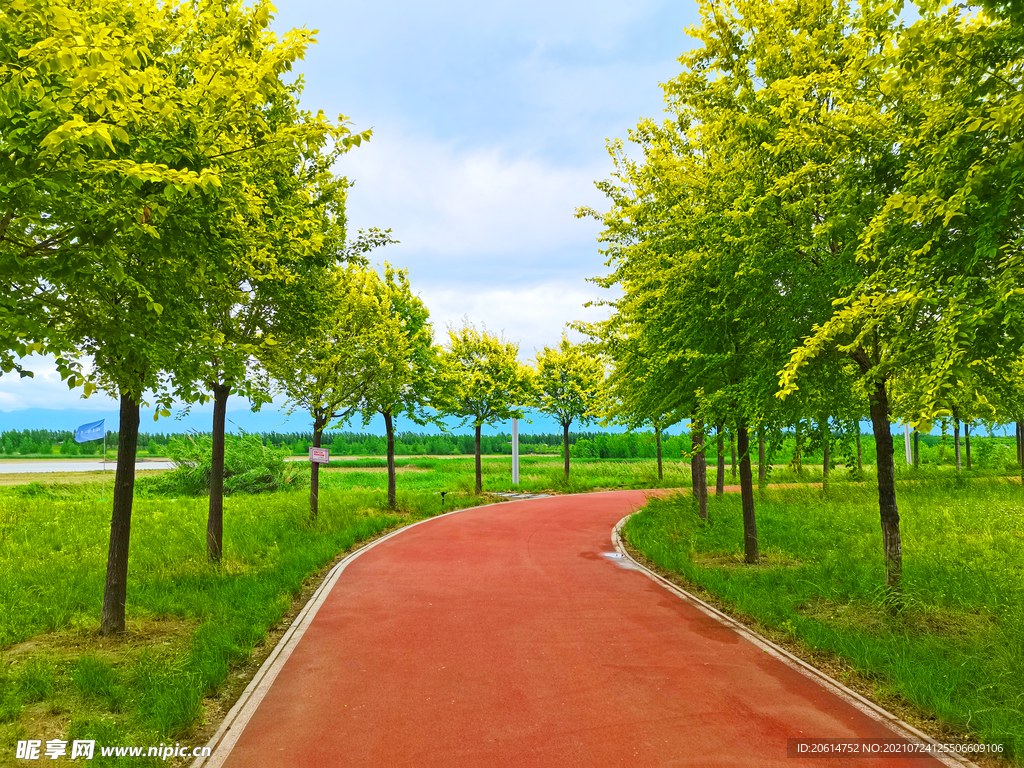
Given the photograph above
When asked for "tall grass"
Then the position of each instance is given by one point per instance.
(957, 648)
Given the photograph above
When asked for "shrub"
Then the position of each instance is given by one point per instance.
(249, 467)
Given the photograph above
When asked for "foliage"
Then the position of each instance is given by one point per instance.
(570, 383)
(328, 369)
(570, 387)
(402, 382)
(481, 379)
(249, 467)
(836, 204)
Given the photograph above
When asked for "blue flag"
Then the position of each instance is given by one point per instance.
(87, 432)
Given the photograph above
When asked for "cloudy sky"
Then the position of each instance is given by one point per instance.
(489, 122)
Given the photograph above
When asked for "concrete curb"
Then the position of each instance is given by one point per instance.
(239, 715)
(869, 708)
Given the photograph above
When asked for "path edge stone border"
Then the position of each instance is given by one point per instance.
(869, 708)
(222, 742)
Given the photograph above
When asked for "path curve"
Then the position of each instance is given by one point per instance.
(516, 635)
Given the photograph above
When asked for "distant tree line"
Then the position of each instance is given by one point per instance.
(989, 452)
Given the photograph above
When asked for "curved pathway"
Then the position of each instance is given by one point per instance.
(515, 635)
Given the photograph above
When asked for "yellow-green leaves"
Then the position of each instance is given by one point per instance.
(570, 383)
(481, 378)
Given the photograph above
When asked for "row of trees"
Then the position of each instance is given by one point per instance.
(171, 230)
(165, 206)
(988, 451)
(372, 352)
(828, 227)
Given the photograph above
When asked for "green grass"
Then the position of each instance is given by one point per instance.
(957, 648)
(189, 621)
(537, 474)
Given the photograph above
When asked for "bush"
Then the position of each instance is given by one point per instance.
(1000, 457)
(583, 449)
(249, 467)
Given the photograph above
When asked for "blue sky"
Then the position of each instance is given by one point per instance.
(489, 121)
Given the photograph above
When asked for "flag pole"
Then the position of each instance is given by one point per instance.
(104, 463)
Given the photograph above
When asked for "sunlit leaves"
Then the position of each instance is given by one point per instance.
(570, 383)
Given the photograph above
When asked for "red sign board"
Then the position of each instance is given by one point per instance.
(319, 455)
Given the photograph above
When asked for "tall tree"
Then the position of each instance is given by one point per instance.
(285, 225)
(481, 381)
(403, 382)
(323, 368)
(939, 250)
(570, 387)
(126, 319)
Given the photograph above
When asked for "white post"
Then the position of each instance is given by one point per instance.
(515, 451)
(906, 444)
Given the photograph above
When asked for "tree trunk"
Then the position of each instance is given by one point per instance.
(215, 519)
(732, 447)
(389, 424)
(479, 467)
(699, 468)
(888, 512)
(565, 447)
(967, 442)
(956, 440)
(860, 455)
(720, 466)
(917, 454)
(314, 471)
(827, 440)
(1020, 449)
(762, 469)
(657, 439)
(798, 450)
(747, 495)
(115, 590)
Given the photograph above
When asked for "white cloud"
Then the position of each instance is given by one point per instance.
(533, 316)
(45, 390)
(449, 205)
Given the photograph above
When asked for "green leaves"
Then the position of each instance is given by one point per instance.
(570, 383)
(481, 379)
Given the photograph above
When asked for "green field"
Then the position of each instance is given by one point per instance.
(192, 623)
(956, 650)
(194, 627)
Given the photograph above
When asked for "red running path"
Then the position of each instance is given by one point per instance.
(503, 636)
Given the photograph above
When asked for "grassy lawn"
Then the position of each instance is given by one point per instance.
(957, 648)
(197, 631)
(537, 474)
(190, 622)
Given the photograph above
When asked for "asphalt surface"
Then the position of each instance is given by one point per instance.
(512, 635)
